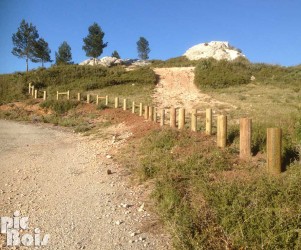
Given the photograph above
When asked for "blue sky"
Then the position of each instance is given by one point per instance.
(265, 30)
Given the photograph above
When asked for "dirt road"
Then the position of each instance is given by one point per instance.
(176, 88)
(59, 180)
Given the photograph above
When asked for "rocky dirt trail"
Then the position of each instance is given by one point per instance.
(176, 88)
(59, 180)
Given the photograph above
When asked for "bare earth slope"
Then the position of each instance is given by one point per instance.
(176, 88)
(59, 179)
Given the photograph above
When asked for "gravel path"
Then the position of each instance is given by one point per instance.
(60, 181)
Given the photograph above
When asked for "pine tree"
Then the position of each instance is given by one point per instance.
(24, 41)
(143, 48)
(93, 43)
(115, 54)
(42, 52)
(63, 56)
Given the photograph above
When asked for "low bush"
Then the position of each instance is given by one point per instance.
(60, 106)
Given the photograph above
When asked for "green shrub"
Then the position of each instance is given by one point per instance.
(59, 106)
(211, 73)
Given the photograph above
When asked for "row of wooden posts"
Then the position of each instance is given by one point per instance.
(274, 136)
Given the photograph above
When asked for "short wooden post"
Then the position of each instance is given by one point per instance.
(150, 113)
(97, 101)
(32, 90)
(274, 142)
(36, 94)
(181, 124)
(155, 115)
(57, 95)
(162, 117)
(173, 117)
(222, 131)
(133, 107)
(68, 95)
(116, 102)
(193, 120)
(107, 100)
(29, 87)
(124, 104)
(146, 112)
(245, 138)
(88, 98)
(140, 109)
(44, 95)
(209, 121)
(78, 96)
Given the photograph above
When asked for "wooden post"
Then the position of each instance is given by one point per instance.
(274, 142)
(32, 90)
(78, 96)
(68, 95)
(36, 94)
(57, 95)
(97, 100)
(44, 95)
(162, 118)
(29, 87)
(88, 98)
(150, 113)
(146, 112)
(124, 104)
(173, 117)
(107, 100)
(116, 102)
(209, 121)
(222, 131)
(245, 138)
(181, 124)
(155, 114)
(133, 107)
(140, 109)
(193, 120)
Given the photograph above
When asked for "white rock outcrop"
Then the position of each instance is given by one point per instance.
(216, 49)
(109, 61)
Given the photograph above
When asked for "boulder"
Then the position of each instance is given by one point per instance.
(216, 49)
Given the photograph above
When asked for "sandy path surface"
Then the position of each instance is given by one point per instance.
(59, 180)
(176, 88)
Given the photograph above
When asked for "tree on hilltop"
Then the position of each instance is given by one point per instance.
(143, 48)
(41, 52)
(24, 41)
(116, 54)
(63, 56)
(93, 43)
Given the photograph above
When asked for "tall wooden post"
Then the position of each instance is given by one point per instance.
(209, 121)
(193, 120)
(133, 107)
(32, 90)
(124, 104)
(35, 94)
(44, 95)
(146, 112)
(97, 100)
(116, 102)
(88, 98)
(57, 95)
(29, 87)
(140, 109)
(68, 95)
(78, 96)
(245, 138)
(150, 113)
(162, 117)
(173, 117)
(107, 100)
(155, 115)
(222, 131)
(181, 124)
(274, 142)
